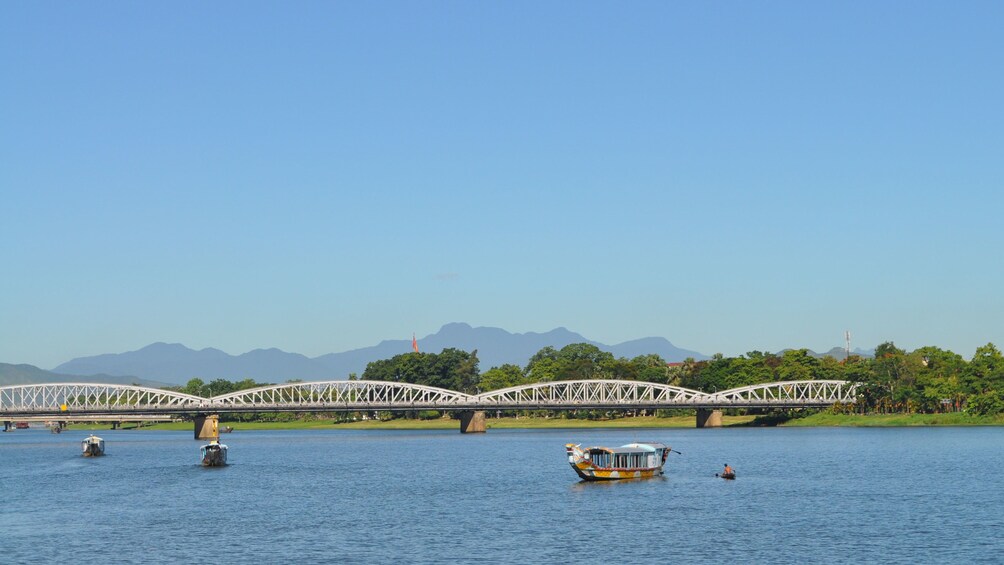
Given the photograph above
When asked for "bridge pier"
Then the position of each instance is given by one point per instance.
(709, 418)
(472, 422)
(207, 426)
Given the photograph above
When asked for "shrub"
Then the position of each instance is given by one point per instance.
(987, 404)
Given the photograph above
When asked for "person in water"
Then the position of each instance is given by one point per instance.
(728, 470)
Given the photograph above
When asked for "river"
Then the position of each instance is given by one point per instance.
(817, 495)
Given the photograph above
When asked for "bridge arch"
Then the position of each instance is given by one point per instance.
(788, 394)
(590, 394)
(344, 395)
(92, 398)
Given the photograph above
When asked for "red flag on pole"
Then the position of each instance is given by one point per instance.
(414, 343)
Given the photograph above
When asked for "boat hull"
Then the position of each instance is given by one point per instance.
(593, 474)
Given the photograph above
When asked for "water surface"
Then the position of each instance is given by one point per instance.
(822, 495)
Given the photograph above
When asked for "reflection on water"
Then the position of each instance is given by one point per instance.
(818, 495)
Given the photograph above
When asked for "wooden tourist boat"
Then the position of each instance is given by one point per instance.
(631, 461)
(93, 446)
(214, 454)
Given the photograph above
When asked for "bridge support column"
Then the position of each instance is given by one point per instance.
(6, 426)
(207, 426)
(472, 422)
(709, 418)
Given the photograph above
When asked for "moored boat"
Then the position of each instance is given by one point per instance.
(214, 454)
(631, 461)
(93, 446)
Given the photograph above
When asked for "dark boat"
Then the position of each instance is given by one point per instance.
(93, 446)
(214, 454)
(728, 476)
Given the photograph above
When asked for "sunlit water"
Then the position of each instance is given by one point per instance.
(802, 495)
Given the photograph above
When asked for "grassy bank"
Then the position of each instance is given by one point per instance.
(443, 424)
(534, 423)
(824, 419)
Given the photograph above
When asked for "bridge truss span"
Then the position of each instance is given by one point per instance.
(341, 395)
(84, 399)
(788, 394)
(612, 394)
(92, 398)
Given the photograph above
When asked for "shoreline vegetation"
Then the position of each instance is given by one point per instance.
(820, 419)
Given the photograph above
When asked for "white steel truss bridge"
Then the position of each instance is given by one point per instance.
(67, 400)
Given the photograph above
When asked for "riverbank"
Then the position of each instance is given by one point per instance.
(443, 424)
(821, 419)
(825, 419)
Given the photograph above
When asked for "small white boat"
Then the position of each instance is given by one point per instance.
(93, 446)
(214, 454)
(631, 461)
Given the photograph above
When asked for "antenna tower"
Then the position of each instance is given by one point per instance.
(847, 338)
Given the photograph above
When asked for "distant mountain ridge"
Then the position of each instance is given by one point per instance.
(177, 364)
(838, 353)
(29, 375)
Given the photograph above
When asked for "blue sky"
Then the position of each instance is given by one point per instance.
(319, 176)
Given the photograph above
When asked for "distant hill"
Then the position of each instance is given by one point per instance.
(838, 353)
(30, 375)
(176, 364)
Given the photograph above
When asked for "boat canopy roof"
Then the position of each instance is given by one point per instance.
(632, 448)
(648, 446)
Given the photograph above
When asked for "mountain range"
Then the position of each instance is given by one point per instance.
(175, 363)
(165, 364)
(23, 374)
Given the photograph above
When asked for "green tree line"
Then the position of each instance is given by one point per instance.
(927, 380)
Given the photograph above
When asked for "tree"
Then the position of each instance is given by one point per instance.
(985, 371)
(651, 368)
(887, 368)
(543, 366)
(797, 365)
(218, 387)
(194, 387)
(452, 369)
(502, 377)
(581, 361)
